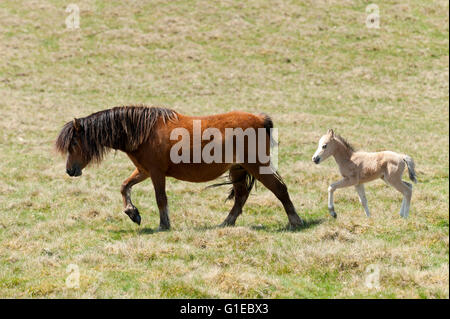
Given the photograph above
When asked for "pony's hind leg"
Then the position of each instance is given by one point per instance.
(362, 198)
(240, 192)
(125, 190)
(275, 184)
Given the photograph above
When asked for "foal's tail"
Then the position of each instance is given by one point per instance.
(411, 168)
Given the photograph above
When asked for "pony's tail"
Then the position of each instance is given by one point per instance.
(250, 179)
(247, 177)
(268, 125)
(249, 183)
(411, 168)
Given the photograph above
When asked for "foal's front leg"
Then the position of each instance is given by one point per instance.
(362, 198)
(129, 208)
(346, 182)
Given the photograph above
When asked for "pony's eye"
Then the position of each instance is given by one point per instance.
(324, 146)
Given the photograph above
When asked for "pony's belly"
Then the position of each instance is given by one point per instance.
(197, 173)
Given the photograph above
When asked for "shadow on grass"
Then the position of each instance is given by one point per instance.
(141, 231)
(209, 227)
(148, 231)
(309, 223)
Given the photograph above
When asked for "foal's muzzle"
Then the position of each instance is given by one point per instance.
(316, 159)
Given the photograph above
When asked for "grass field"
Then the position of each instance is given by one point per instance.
(311, 65)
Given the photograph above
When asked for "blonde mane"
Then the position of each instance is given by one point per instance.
(345, 143)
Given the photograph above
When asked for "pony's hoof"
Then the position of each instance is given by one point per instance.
(292, 226)
(226, 224)
(133, 213)
(163, 228)
(333, 214)
(295, 221)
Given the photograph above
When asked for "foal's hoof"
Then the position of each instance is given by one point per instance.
(133, 213)
(333, 214)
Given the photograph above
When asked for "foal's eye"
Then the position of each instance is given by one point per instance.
(324, 146)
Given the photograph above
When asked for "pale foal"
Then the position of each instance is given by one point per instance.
(358, 167)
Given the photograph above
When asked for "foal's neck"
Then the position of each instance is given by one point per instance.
(342, 154)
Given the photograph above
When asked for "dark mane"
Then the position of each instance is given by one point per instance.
(123, 128)
(345, 142)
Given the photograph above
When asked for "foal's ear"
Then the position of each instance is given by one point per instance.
(330, 132)
(76, 124)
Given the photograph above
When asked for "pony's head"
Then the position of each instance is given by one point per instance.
(326, 147)
(72, 141)
(125, 128)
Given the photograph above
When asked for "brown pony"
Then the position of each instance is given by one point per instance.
(145, 135)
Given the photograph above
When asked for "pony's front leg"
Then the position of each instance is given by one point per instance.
(346, 182)
(159, 183)
(129, 208)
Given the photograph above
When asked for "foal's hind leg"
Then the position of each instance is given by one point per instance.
(404, 188)
(276, 186)
(129, 208)
(238, 177)
(408, 200)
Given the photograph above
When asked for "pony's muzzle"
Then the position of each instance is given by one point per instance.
(74, 171)
(316, 159)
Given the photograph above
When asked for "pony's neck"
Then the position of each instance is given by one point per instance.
(342, 154)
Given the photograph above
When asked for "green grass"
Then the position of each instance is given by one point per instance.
(311, 65)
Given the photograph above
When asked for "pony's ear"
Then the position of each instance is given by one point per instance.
(330, 132)
(76, 124)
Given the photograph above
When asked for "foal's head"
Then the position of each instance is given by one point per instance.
(327, 147)
(71, 141)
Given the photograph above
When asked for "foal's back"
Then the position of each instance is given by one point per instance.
(373, 165)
